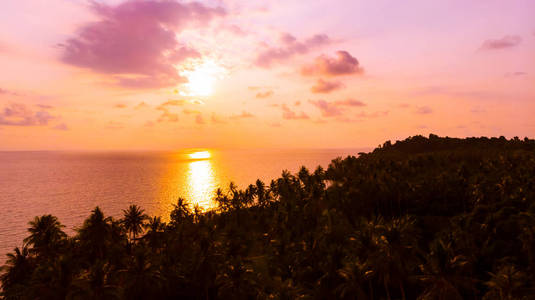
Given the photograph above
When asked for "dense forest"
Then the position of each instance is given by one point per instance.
(423, 218)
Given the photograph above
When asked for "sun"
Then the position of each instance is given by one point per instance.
(200, 155)
(202, 78)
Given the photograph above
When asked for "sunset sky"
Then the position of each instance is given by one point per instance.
(164, 75)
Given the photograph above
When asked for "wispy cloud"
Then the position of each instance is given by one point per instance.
(289, 47)
(61, 126)
(350, 102)
(242, 115)
(508, 41)
(215, 119)
(199, 119)
(423, 110)
(324, 87)
(265, 94)
(18, 114)
(327, 109)
(288, 114)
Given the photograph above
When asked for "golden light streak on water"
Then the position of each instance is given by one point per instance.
(201, 180)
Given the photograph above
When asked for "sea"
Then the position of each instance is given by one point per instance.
(69, 185)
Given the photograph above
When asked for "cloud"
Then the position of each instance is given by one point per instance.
(199, 119)
(264, 94)
(18, 114)
(44, 106)
(141, 105)
(516, 74)
(243, 115)
(120, 105)
(505, 42)
(289, 48)
(217, 119)
(61, 126)
(342, 64)
(375, 114)
(8, 92)
(164, 105)
(288, 114)
(324, 87)
(235, 29)
(350, 102)
(190, 111)
(168, 116)
(136, 41)
(423, 110)
(327, 109)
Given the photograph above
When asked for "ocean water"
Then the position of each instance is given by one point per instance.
(70, 184)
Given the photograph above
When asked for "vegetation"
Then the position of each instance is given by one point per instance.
(424, 218)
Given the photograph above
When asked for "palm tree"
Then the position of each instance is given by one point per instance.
(95, 234)
(141, 277)
(155, 229)
(180, 212)
(46, 235)
(133, 220)
(16, 273)
(395, 254)
(356, 276)
(504, 283)
(443, 273)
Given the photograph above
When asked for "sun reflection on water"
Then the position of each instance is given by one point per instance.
(201, 180)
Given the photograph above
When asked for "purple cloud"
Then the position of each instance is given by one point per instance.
(327, 109)
(372, 115)
(324, 87)
(18, 114)
(350, 102)
(288, 114)
(342, 64)
(423, 110)
(61, 126)
(137, 38)
(243, 115)
(290, 47)
(507, 41)
(8, 92)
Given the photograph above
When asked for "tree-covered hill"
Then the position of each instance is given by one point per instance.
(423, 218)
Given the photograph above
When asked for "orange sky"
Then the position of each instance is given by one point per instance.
(164, 75)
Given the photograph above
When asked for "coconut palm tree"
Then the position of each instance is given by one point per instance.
(95, 235)
(46, 236)
(133, 221)
(16, 273)
(155, 230)
(505, 283)
(444, 273)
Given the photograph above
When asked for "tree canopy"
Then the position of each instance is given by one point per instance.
(423, 218)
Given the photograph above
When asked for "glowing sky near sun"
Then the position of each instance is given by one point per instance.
(151, 74)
